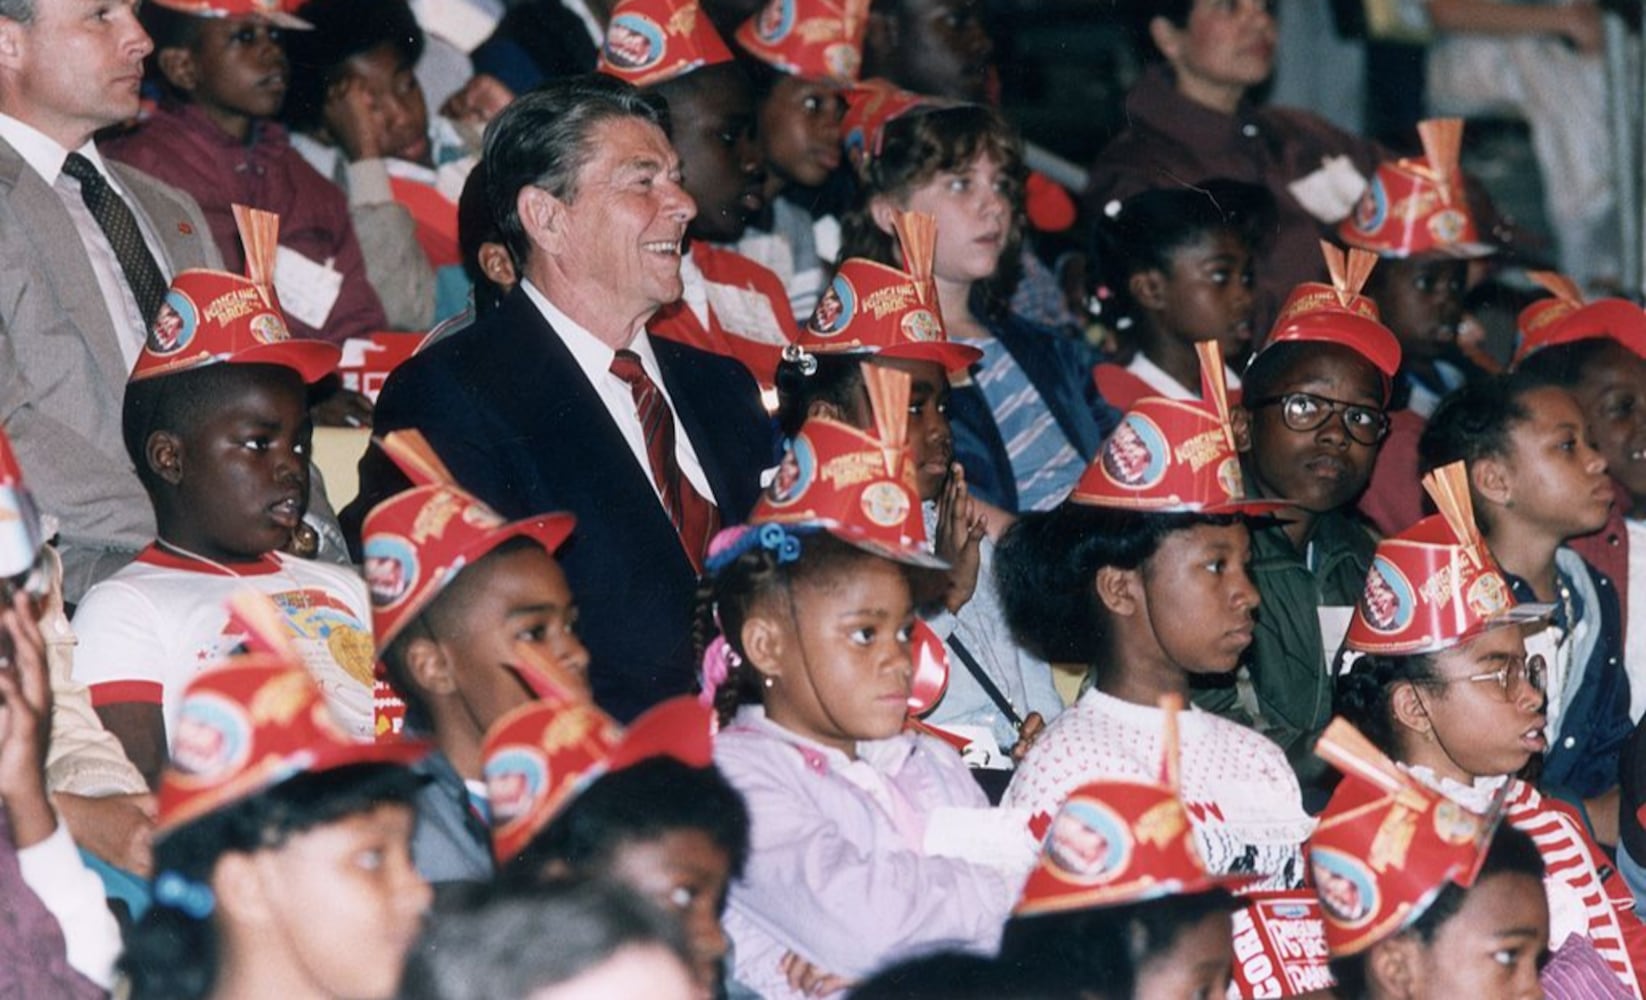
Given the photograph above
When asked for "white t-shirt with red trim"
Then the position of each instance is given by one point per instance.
(146, 630)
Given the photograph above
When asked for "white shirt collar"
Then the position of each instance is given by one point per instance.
(1156, 378)
(42, 152)
(592, 354)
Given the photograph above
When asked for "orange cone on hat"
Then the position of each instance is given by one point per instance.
(1170, 455)
(1435, 585)
(816, 39)
(212, 317)
(1566, 318)
(1386, 846)
(1417, 206)
(1338, 313)
(254, 721)
(649, 42)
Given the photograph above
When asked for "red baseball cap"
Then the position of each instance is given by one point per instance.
(1417, 206)
(1566, 318)
(1338, 313)
(649, 42)
(816, 39)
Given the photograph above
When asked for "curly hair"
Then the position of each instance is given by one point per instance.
(1361, 694)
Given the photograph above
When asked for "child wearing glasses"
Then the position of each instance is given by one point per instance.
(1314, 408)
(1536, 482)
(1437, 673)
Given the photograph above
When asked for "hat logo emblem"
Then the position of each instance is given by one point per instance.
(269, 329)
(391, 569)
(1388, 602)
(1373, 209)
(1348, 893)
(1088, 842)
(1230, 479)
(1455, 824)
(174, 325)
(843, 61)
(921, 326)
(775, 21)
(515, 778)
(213, 738)
(1135, 454)
(795, 473)
(1447, 225)
(835, 308)
(1488, 595)
(885, 503)
(634, 42)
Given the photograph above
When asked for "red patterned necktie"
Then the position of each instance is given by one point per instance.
(695, 518)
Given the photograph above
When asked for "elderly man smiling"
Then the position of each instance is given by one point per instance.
(560, 400)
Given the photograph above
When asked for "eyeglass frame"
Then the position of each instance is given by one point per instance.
(1530, 667)
(1339, 407)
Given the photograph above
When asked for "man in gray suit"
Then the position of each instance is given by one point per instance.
(72, 301)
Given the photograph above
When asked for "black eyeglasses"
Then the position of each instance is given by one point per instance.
(1304, 411)
(1508, 678)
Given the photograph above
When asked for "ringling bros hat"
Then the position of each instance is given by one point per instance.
(275, 12)
(1174, 456)
(1115, 842)
(537, 758)
(1386, 846)
(856, 485)
(649, 42)
(1415, 207)
(211, 317)
(1337, 313)
(254, 721)
(1434, 585)
(22, 533)
(872, 309)
(870, 106)
(1566, 318)
(817, 39)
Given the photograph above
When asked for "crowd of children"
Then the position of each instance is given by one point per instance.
(1273, 639)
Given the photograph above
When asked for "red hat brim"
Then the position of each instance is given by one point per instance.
(313, 360)
(1611, 319)
(953, 357)
(1103, 897)
(1363, 335)
(908, 556)
(1238, 508)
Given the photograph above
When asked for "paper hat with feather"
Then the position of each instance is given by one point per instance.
(872, 309)
(255, 721)
(816, 39)
(1337, 313)
(1417, 206)
(1566, 318)
(1435, 585)
(1386, 846)
(1174, 455)
(1115, 842)
(649, 42)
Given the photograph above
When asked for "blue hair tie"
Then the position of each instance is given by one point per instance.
(780, 540)
(179, 892)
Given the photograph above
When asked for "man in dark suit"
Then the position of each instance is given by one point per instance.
(559, 400)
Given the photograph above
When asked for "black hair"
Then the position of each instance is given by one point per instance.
(1046, 564)
(954, 975)
(544, 138)
(1146, 231)
(729, 596)
(182, 402)
(1361, 694)
(639, 804)
(1567, 365)
(1511, 852)
(435, 622)
(763, 76)
(837, 380)
(515, 939)
(343, 29)
(476, 226)
(172, 954)
(169, 29)
(1107, 947)
(918, 146)
(1478, 419)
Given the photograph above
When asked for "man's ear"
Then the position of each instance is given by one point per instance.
(1240, 421)
(164, 453)
(429, 667)
(178, 66)
(13, 43)
(763, 643)
(883, 211)
(1118, 589)
(1148, 288)
(544, 218)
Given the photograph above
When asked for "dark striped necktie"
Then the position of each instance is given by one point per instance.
(112, 213)
(695, 518)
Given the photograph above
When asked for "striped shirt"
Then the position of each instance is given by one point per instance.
(1044, 461)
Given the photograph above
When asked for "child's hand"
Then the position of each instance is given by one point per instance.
(355, 120)
(25, 724)
(117, 828)
(1030, 731)
(960, 529)
(341, 408)
(804, 977)
(478, 101)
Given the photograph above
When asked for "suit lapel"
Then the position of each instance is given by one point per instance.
(179, 242)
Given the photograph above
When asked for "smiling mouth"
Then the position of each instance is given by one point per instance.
(671, 248)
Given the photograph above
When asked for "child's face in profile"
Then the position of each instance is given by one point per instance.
(1486, 730)
(719, 156)
(1421, 301)
(931, 439)
(1198, 601)
(800, 130)
(1207, 294)
(397, 95)
(345, 902)
(685, 873)
(1323, 469)
(1196, 965)
(1612, 395)
(974, 208)
(1491, 947)
(840, 663)
(943, 49)
(236, 68)
(1556, 482)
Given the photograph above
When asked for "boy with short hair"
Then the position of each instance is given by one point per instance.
(223, 72)
(455, 594)
(216, 422)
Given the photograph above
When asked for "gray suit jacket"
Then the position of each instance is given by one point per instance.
(62, 374)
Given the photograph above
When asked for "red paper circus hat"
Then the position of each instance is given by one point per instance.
(1417, 206)
(649, 42)
(540, 756)
(254, 721)
(415, 543)
(21, 531)
(870, 308)
(275, 12)
(870, 106)
(858, 486)
(211, 317)
(1566, 318)
(817, 39)
(1435, 585)
(1386, 845)
(1115, 842)
(1170, 455)
(1338, 314)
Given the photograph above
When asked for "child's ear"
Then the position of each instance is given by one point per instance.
(1490, 480)
(882, 210)
(1117, 589)
(429, 667)
(497, 265)
(824, 408)
(543, 217)
(1240, 421)
(179, 68)
(763, 641)
(1148, 288)
(1407, 707)
(164, 454)
(1167, 38)
(239, 891)
(1392, 965)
